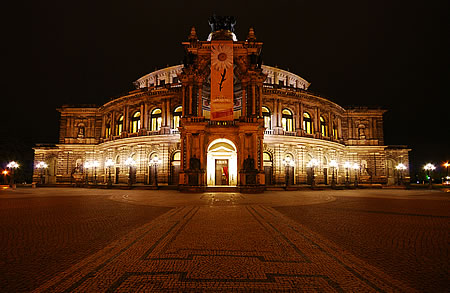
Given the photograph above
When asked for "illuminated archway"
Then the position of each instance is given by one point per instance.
(222, 163)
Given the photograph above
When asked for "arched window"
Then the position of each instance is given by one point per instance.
(335, 132)
(155, 122)
(108, 129)
(135, 122)
(323, 126)
(177, 116)
(119, 128)
(307, 123)
(266, 115)
(287, 120)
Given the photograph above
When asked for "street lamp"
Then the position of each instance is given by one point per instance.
(287, 162)
(356, 167)
(130, 162)
(108, 164)
(446, 164)
(429, 167)
(42, 166)
(333, 165)
(347, 166)
(87, 165)
(95, 164)
(12, 166)
(312, 164)
(400, 168)
(5, 173)
(155, 162)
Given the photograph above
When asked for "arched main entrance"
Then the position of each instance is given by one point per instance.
(222, 163)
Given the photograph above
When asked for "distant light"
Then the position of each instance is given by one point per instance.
(5, 172)
(429, 167)
(13, 165)
(313, 163)
(41, 165)
(109, 163)
(355, 166)
(401, 167)
(130, 162)
(347, 165)
(95, 164)
(333, 164)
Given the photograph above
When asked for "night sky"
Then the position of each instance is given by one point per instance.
(388, 54)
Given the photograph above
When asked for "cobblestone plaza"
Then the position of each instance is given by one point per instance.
(384, 240)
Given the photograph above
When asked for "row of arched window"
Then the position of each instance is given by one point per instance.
(287, 122)
(135, 121)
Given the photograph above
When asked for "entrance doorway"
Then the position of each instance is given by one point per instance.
(222, 163)
(222, 174)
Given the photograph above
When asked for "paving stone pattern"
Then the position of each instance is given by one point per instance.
(153, 241)
(407, 239)
(42, 236)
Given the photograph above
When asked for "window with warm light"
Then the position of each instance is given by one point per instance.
(119, 128)
(335, 132)
(287, 120)
(307, 123)
(108, 129)
(156, 119)
(177, 116)
(323, 126)
(135, 122)
(266, 115)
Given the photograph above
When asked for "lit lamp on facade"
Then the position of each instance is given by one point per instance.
(130, 162)
(400, 168)
(333, 165)
(87, 165)
(5, 173)
(12, 166)
(108, 164)
(355, 168)
(288, 162)
(95, 164)
(347, 166)
(429, 168)
(155, 162)
(447, 178)
(312, 164)
(42, 166)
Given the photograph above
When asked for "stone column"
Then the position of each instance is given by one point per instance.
(199, 103)
(142, 116)
(103, 135)
(145, 125)
(244, 101)
(253, 99)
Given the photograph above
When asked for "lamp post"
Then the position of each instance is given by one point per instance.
(355, 168)
(42, 166)
(446, 164)
(12, 166)
(429, 167)
(87, 165)
(155, 162)
(333, 165)
(347, 166)
(5, 173)
(95, 164)
(108, 164)
(312, 164)
(287, 162)
(130, 162)
(400, 168)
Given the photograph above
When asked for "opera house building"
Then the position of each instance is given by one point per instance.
(221, 118)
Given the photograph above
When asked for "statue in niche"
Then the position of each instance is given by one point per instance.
(194, 163)
(80, 132)
(361, 132)
(249, 164)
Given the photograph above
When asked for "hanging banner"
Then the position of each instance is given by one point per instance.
(222, 80)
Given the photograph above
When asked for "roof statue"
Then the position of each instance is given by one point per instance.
(222, 23)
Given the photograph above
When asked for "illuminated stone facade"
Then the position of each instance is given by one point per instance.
(279, 128)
